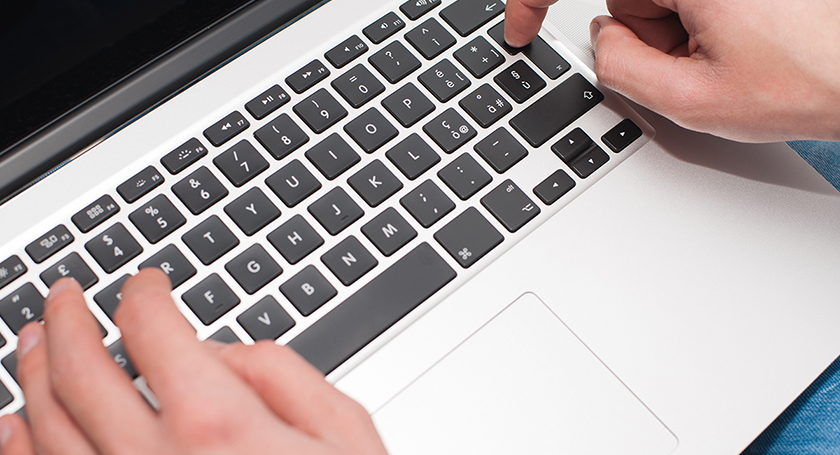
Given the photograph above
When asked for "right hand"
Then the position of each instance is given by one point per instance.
(748, 70)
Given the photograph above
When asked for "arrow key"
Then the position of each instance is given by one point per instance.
(554, 187)
(266, 320)
(572, 145)
(618, 138)
(589, 162)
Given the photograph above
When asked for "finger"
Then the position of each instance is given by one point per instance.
(657, 26)
(298, 394)
(54, 431)
(96, 392)
(15, 437)
(672, 86)
(523, 19)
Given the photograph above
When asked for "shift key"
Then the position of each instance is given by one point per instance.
(556, 110)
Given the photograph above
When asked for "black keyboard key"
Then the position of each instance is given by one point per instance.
(371, 130)
(157, 218)
(95, 214)
(497, 32)
(464, 176)
(50, 243)
(281, 136)
(389, 231)
(349, 260)
(546, 58)
(72, 266)
(308, 290)
(414, 9)
(253, 269)
(120, 355)
(413, 156)
(109, 298)
(210, 299)
(22, 307)
(10, 363)
(427, 203)
(6, 397)
(520, 81)
(113, 248)
(252, 211)
(375, 183)
(346, 52)
(479, 57)
(556, 110)
(571, 145)
(336, 211)
(266, 320)
(510, 205)
(408, 105)
(172, 262)
(554, 187)
(622, 135)
(358, 86)
(200, 190)
(140, 185)
(226, 128)
(468, 237)
(430, 39)
(295, 239)
(183, 156)
(466, 16)
(332, 156)
(306, 77)
(486, 106)
(10, 270)
(501, 150)
(383, 28)
(293, 183)
(241, 163)
(225, 335)
(320, 111)
(444, 80)
(394, 62)
(268, 101)
(373, 309)
(449, 130)
(210, 240)
(589, 161)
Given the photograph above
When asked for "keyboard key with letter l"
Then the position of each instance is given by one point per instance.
(373, 309)
(468, 237)
(556, 110)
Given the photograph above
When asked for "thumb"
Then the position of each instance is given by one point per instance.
(670, 85)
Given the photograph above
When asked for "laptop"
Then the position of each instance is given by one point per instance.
(485, 247)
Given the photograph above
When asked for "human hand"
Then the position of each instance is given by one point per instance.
(232, 399)
(748, 70)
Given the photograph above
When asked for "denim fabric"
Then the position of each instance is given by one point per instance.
(823, 156)
(811, 425)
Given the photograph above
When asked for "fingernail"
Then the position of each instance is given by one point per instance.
(5, 433)
(594, 30)
(28, 338)
(57, 288)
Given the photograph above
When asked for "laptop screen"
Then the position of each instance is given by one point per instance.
(56, 54)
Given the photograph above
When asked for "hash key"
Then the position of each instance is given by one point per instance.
(485, 105)
(200, 190)
(241, 163)
(510, 206)
(157, 218)
(468, 237)
(113, 248)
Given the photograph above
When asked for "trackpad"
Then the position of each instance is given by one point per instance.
(522, 384)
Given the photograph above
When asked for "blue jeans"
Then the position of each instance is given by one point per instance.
(811, 425)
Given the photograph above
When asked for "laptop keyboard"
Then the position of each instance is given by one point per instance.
(269, 164)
